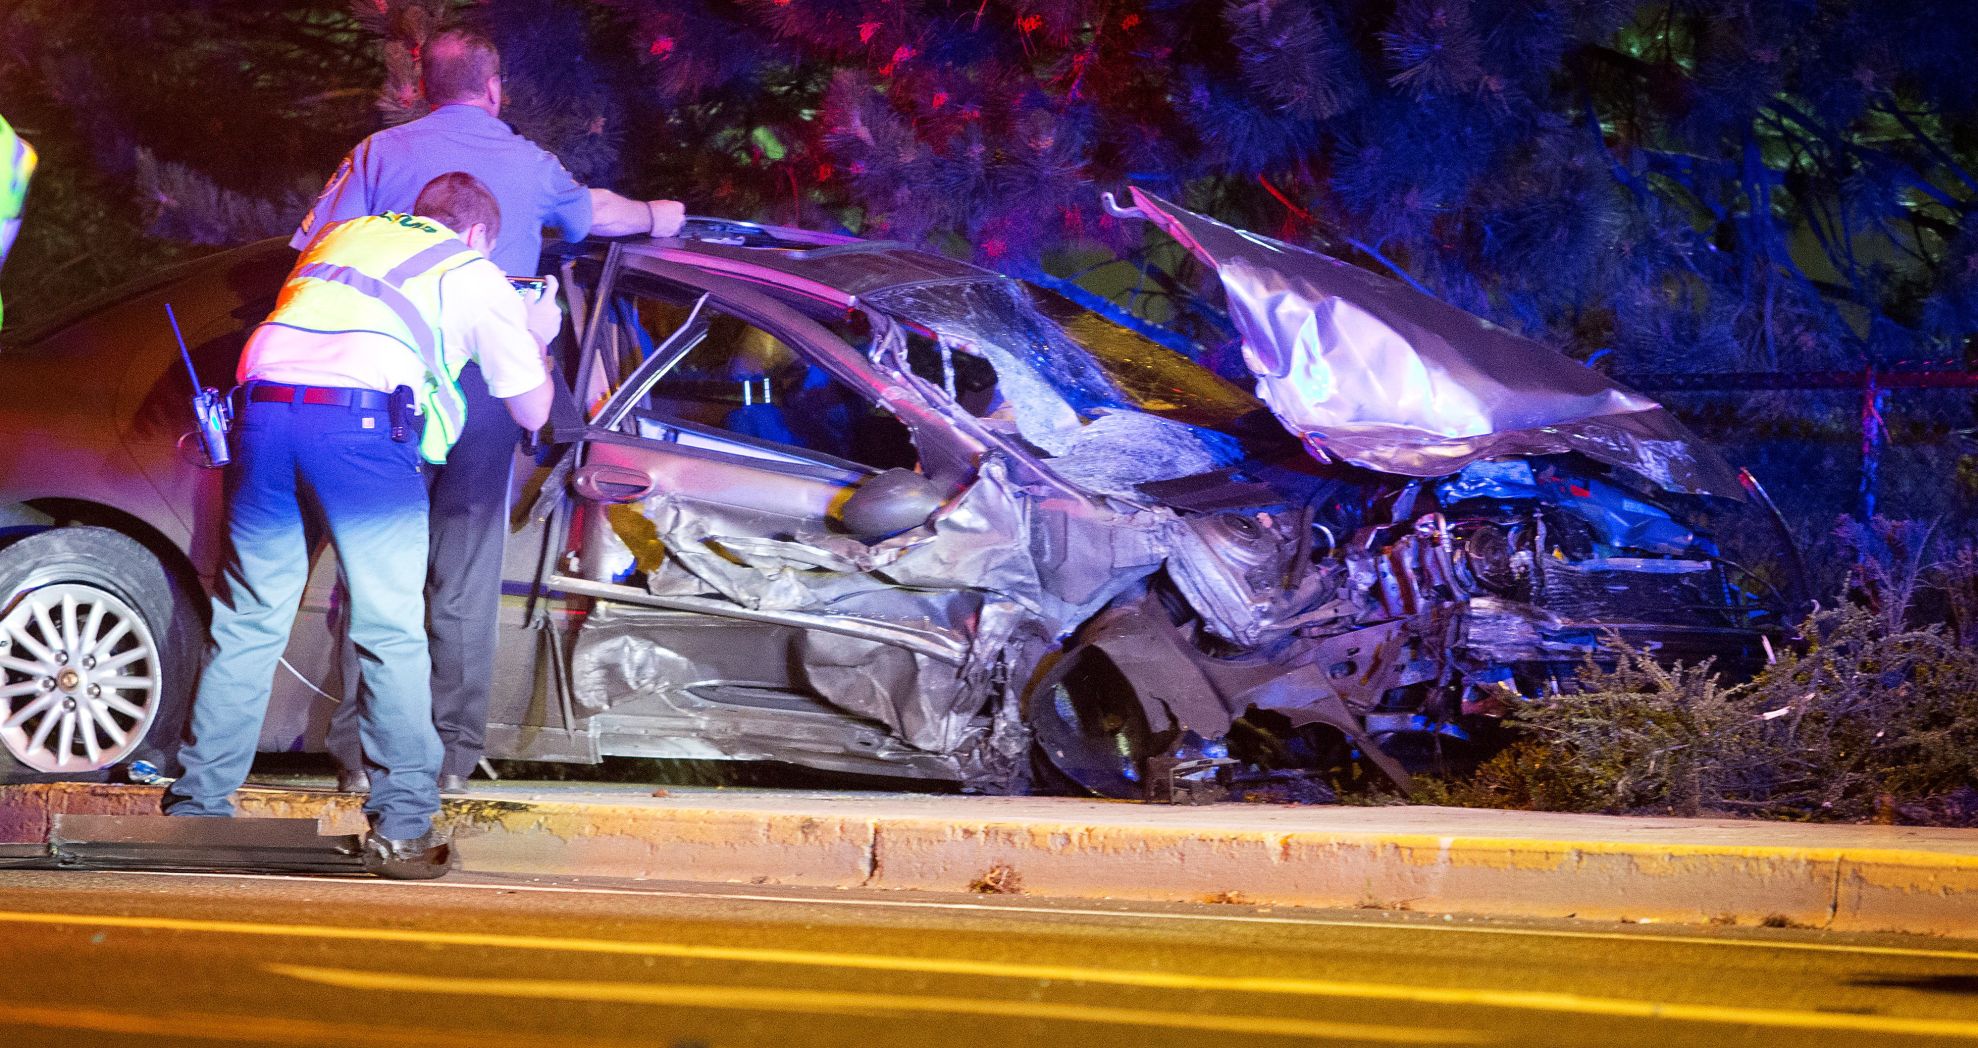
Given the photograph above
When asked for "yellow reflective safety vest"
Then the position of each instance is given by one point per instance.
(16, 167)
(382, 274)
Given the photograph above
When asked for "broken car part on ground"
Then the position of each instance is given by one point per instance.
(858, 507)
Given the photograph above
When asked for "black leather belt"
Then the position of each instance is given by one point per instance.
(333, 396)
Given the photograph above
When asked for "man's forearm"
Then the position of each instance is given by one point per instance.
(616, 216)
(531, 409)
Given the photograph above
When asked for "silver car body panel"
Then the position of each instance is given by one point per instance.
(1370, 371)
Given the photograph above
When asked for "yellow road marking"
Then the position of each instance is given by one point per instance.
(839, 1002)
(1213, 918)
(1519, 999)
(1419, 925)
(248, 1028)
(1075, 911)
(261, 1029)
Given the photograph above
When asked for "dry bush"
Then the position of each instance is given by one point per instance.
(1889, 564)
(1867, 711)
(1873, 714)
(1956, 578)
(1865, 717)
(1635, 737)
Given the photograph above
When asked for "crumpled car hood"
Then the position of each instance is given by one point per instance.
(1369, 371)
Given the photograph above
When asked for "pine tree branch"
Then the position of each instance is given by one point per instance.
(1373, 251)
(1917, 179)
(1681, 171)
(1930, 143)
(1591, 119)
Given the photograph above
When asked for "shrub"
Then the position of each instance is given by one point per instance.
(1865, 720)
(1637, 736)
(1868, 712)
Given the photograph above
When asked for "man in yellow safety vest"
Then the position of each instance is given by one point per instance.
(377, 319)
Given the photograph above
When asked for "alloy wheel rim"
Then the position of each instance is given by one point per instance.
(79, 678)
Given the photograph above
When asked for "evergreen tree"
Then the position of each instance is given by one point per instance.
(168, 125)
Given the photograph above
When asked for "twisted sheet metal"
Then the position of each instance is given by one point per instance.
(1369, 371)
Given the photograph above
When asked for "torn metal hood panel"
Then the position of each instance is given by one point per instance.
(1369, 371)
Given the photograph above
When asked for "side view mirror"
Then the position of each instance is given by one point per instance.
(888, 504)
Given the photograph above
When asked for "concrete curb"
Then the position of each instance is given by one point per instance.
(1424, 859)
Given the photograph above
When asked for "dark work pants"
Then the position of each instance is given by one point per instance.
(468, 529)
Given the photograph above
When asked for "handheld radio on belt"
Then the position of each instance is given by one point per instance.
(212, 411)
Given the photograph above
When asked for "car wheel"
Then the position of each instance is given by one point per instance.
(98, 643)
(1089, 728)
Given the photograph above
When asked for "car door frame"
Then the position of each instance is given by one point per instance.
(816, 343)
(555, 590)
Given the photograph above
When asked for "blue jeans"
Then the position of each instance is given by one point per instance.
(341, 464)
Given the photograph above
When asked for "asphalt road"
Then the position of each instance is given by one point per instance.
(99, 959)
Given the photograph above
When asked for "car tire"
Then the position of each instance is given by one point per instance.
(1087, 729)
(97, 634)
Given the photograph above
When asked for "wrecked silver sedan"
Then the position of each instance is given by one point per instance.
(858, 507)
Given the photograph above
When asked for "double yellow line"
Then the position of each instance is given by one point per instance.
(773, 999)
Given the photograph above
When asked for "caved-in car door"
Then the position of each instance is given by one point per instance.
(733, 619)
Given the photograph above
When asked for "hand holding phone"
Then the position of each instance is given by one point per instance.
(545, 316)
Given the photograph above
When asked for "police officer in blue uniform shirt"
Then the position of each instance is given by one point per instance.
(462, 76)
(379, 315)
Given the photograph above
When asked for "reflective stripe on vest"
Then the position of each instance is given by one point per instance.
(385, 273)
(423, 261)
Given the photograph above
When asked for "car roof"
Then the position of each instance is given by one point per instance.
(828, 266)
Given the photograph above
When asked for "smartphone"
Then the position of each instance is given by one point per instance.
(531, 287)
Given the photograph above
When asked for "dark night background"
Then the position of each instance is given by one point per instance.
(1728, 195)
